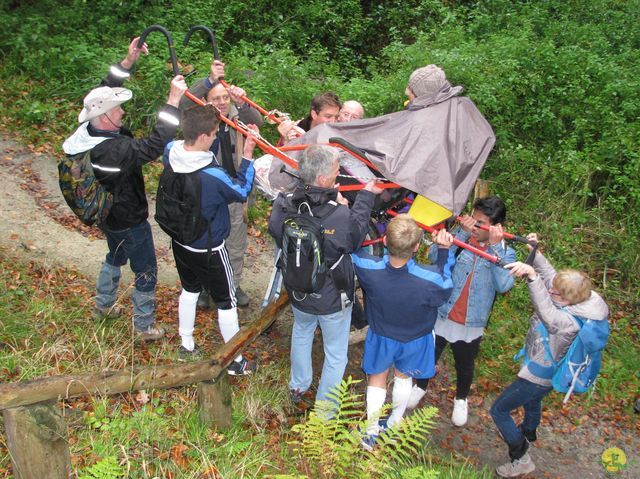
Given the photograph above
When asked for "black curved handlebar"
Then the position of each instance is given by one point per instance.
(209, 33)
(532, 253)
(349, 146)
(172, 50)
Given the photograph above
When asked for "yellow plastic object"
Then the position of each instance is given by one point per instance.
(425, 211)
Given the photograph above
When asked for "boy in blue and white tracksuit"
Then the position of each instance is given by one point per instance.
(204, 264)
(401, 305)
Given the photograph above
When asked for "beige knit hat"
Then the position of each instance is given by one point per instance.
(102, 99)
(426, 80)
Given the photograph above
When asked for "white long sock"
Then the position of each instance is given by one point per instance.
(400, 397)
(375, 401)
(187, 318)
(229, 326)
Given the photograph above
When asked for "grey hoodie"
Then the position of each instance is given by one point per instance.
(558, 320)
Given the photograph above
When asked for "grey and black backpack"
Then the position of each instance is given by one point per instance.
(302, 260)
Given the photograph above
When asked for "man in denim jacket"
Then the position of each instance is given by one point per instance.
(462, 319)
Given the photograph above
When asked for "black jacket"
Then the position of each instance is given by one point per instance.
(345, 229)
(118, 163)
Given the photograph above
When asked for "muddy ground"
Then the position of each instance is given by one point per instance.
(37, 225)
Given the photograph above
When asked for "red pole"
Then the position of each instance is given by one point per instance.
(460, 244)
(269, 115)
(509, 236)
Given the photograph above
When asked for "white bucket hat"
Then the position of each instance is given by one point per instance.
(101, 100)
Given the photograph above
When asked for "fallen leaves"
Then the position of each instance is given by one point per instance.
(178, 455)
(142, 397)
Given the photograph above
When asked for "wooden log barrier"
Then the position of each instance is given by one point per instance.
(158, 377)
(37, 441)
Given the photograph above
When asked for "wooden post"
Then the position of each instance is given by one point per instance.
(214, 402)
(37, 442)
(482, 189)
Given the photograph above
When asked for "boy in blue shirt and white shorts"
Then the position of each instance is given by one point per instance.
(401, 303)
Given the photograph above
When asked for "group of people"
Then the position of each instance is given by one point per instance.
(414, 311)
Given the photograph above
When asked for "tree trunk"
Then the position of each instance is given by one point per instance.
(37, 442)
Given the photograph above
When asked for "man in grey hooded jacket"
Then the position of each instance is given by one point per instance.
(557, 299)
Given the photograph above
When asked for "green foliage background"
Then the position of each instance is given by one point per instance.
(557, 80)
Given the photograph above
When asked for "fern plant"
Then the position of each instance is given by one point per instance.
(107, 468)
(329, 441)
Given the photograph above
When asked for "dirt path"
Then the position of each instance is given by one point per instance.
(570, 445)
(37, 220)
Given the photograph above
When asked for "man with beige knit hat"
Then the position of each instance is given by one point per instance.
(425, 81)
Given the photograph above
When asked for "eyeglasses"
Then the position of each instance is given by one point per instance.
(350, 116)
(220, 99)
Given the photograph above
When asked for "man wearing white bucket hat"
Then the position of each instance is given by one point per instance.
(117, 159)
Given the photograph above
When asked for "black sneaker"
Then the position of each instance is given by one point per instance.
(184, 355)
(242, 367)
(242, 298)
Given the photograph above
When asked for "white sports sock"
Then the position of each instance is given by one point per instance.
(187, 318)
(400, 397)
(229, 326)
(375, 400)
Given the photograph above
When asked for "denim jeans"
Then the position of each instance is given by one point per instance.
(519, 393)
(335, 339)
(135, 245)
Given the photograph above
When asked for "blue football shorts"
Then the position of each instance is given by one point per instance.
(415, 358)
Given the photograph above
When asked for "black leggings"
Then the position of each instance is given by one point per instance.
(464, 355)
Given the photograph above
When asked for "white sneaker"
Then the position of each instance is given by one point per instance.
(459, 415)
(516, 468)
(416, 395)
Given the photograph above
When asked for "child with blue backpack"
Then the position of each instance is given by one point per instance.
(565, 308)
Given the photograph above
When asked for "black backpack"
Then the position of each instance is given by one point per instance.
(302, 261)
(84, 194)
(178, 206)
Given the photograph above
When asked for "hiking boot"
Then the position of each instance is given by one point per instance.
(243, 367)
(184, 355)
(204, 301)
(459, 415)
(242, 298)
(531, 436)
(296, 396)
(100, 314)
(517, 467)
(152, 333)
(417, 393)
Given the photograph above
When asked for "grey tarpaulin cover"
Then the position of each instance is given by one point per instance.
(436, 147)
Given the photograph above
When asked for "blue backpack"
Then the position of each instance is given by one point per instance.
(578, 369)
